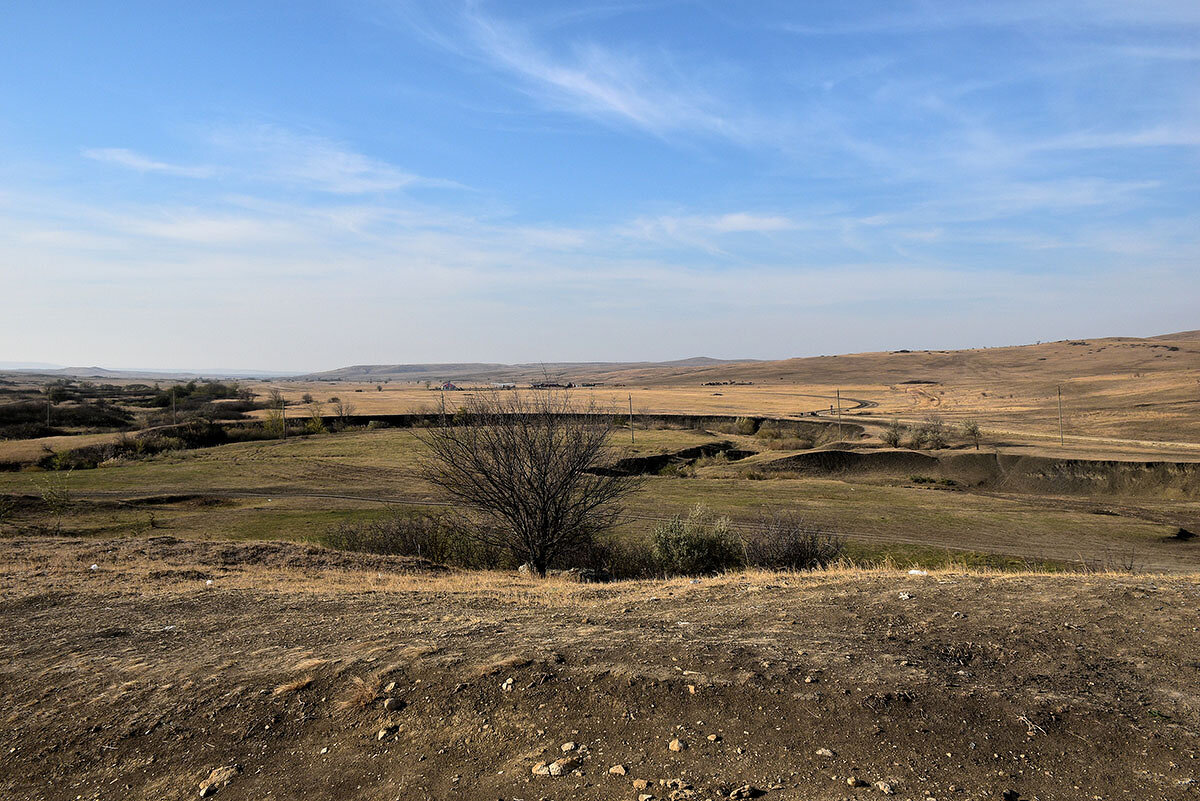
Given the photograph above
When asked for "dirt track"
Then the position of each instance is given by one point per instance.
(136, 679)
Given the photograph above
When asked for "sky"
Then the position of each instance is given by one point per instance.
(305, 185)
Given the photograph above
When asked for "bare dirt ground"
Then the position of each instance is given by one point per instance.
(297, 673)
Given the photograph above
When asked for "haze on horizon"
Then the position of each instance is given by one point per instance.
(301, 186)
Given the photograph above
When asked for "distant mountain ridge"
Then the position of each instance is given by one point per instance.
(561, 372)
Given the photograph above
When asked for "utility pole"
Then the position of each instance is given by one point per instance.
(630, 417)
(283, 416)
(839, 410)
(1061, 441)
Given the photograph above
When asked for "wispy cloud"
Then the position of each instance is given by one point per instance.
(135, 161)
(315, 162)
(658, 92)
(938, 15)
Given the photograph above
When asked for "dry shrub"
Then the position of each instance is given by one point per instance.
(362, 695)
(783, 540)
(703, 543)
(438, 538)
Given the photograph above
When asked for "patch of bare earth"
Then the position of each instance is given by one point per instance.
(296, 675)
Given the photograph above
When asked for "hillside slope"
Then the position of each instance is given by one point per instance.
(1049, 361)
(139, 679)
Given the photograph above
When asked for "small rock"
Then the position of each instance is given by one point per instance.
(541, 769)
(568, 747)
(391, 704)
(714, 738)
(617, 770)
(825, 752)
(325, 750)
(507, 685)
(904, 596)
(854, 781)
(560, 766)
(391, 686)
(746, 791)
(384, 732)
(640, 784)
(677, 745)
(1010, 795)
(883, 787)
(646, 797)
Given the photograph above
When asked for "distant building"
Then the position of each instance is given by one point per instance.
(449, 387)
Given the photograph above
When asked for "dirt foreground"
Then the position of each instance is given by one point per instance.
(301, 674)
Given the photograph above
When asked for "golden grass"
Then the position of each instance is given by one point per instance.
(490, 587)
(1118, 392)
(289, 687)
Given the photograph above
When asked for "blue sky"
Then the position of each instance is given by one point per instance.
(303, 185)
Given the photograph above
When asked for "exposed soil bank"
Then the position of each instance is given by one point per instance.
(1008, 472)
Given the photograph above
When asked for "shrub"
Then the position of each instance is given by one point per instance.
(315, 424)
(81, 415)
(935, 432)
(972, 432)
(700, 544)
(768, 431)
(377, 424)
(56, 495)
(436, 538)
(784, 541)
(745, 425)
(626, 560)
(677, 469)
(274, 423)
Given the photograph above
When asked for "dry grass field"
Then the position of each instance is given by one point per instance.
(296, 488)
(1114, 495)
(1120, 394)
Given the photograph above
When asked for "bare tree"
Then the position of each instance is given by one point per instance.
(893, 434)
(343, 411)
(316, 418)
(533, 467)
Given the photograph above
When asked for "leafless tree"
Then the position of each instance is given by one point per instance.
(532, 466)
(342, 410)
(893, 434)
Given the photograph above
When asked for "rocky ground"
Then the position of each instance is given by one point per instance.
(160, 669)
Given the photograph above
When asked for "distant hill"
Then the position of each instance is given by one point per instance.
(562, 372)
(122, 373)
(1041, 362)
